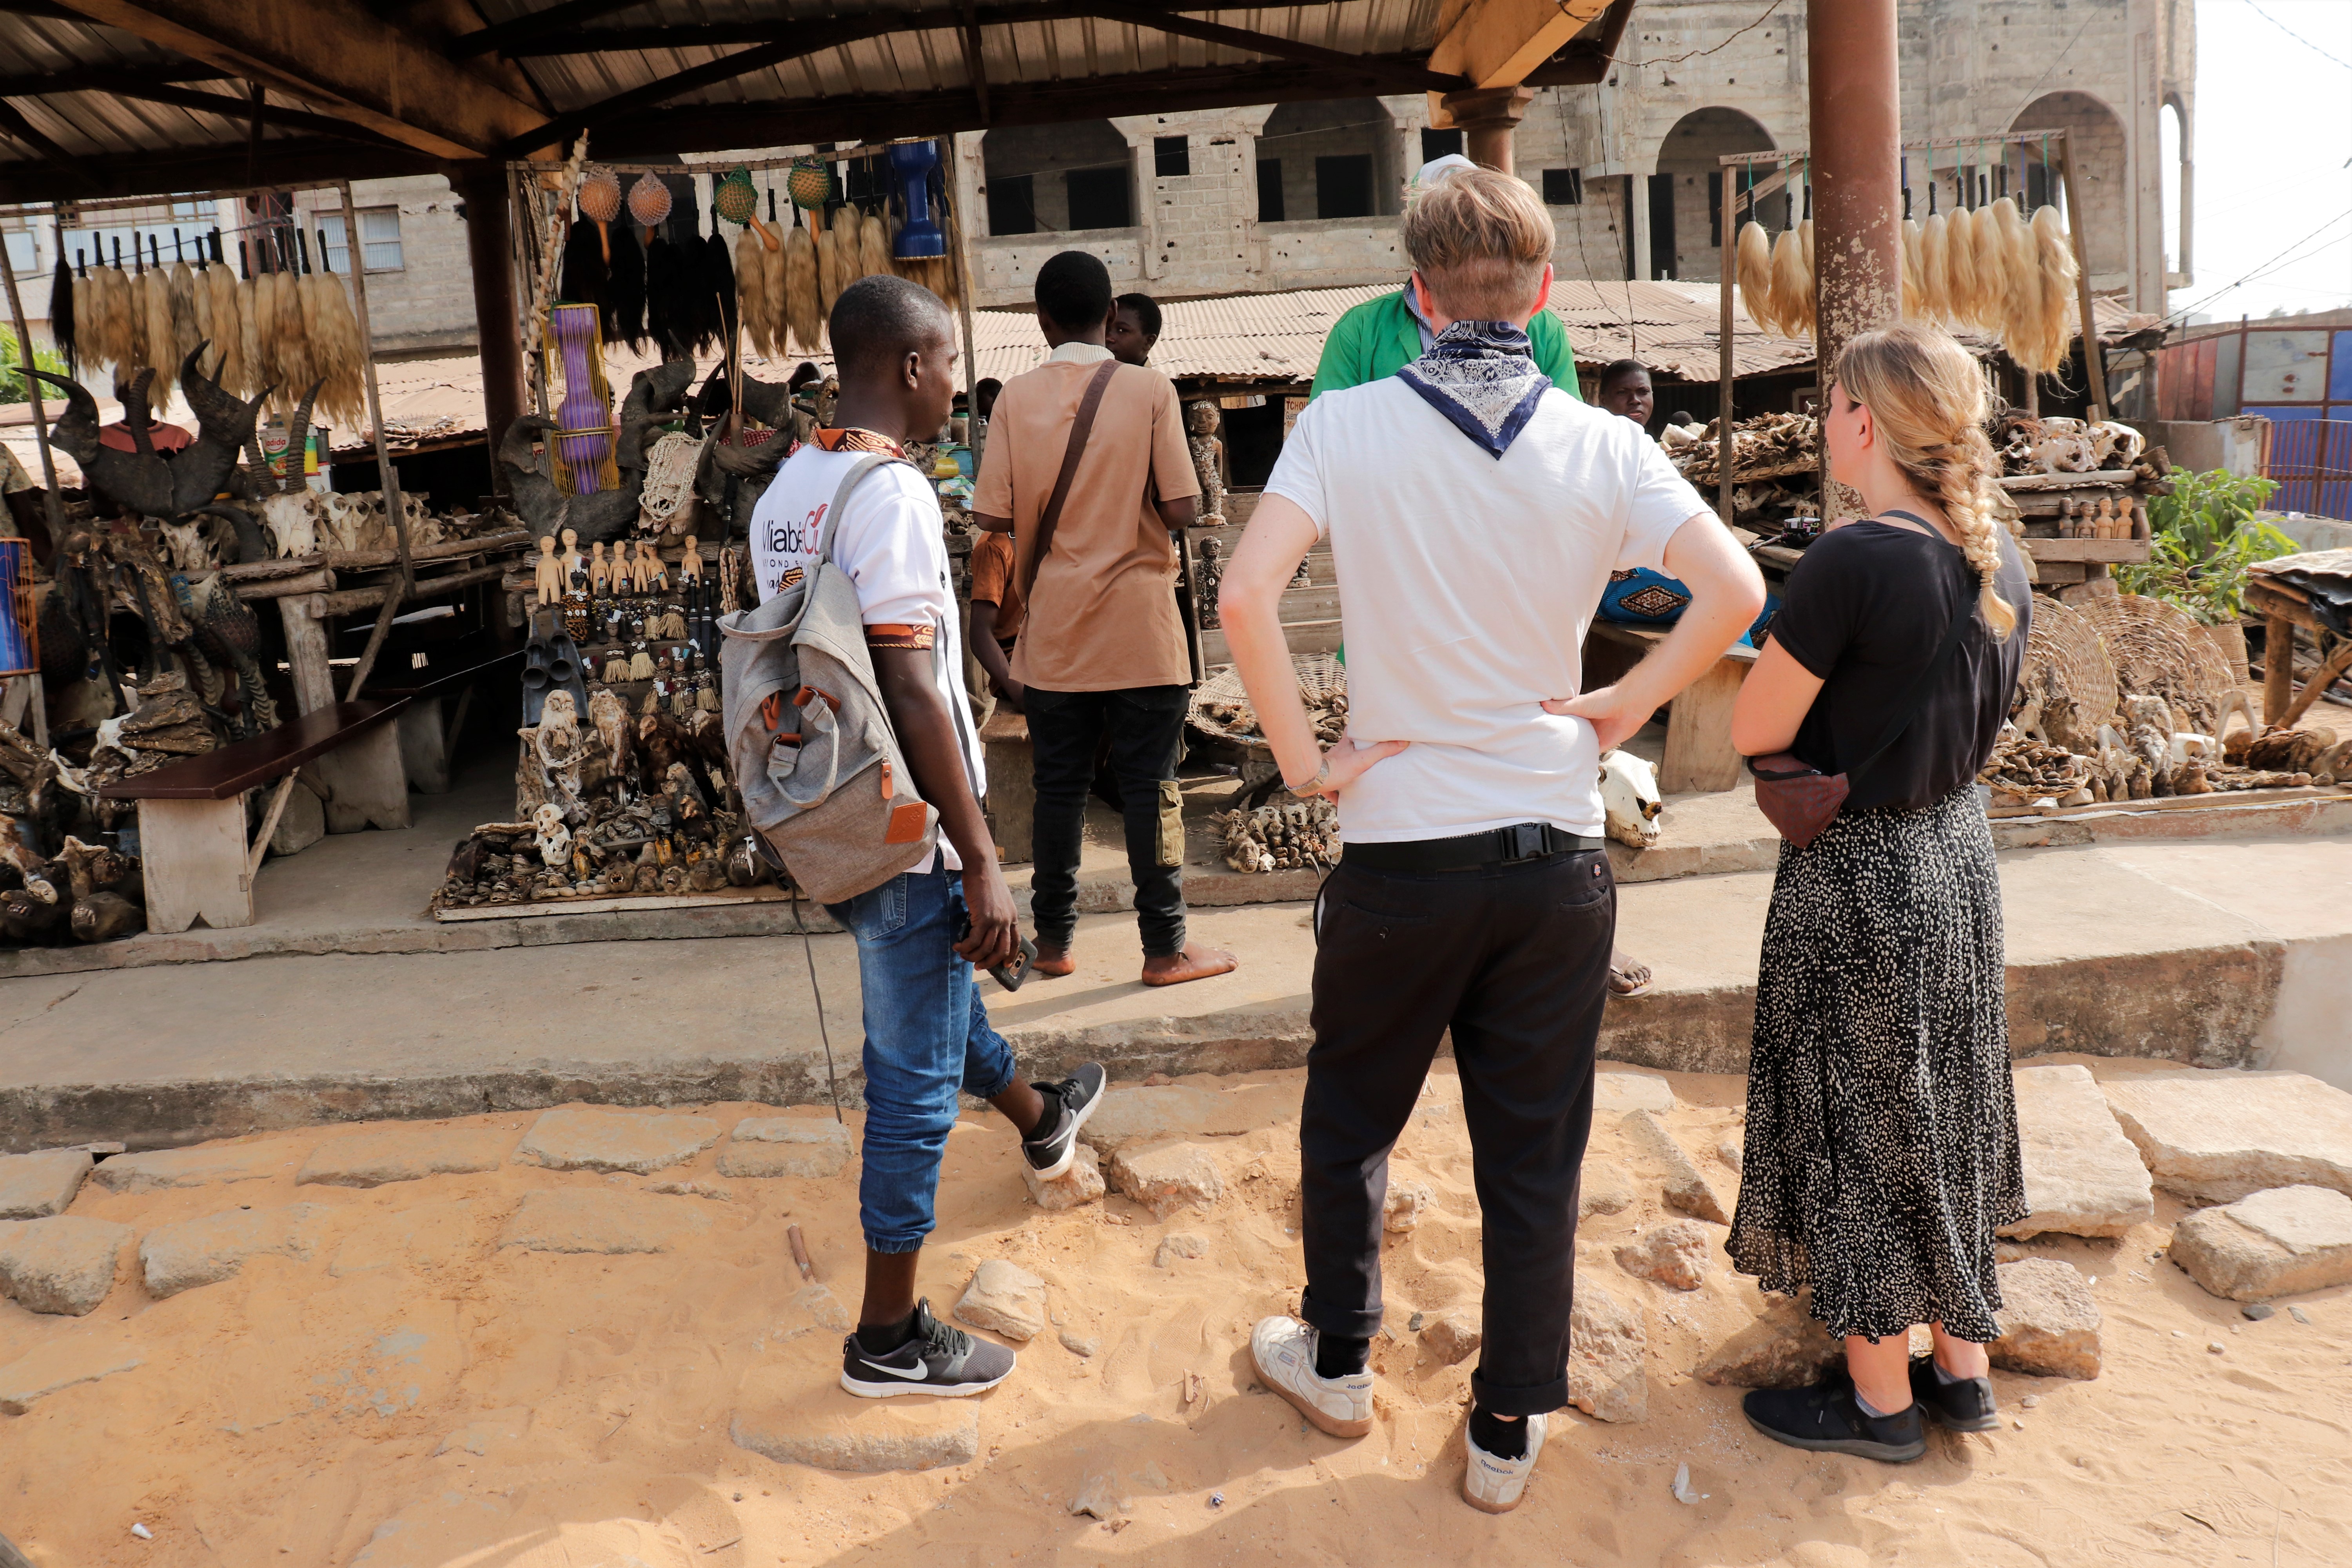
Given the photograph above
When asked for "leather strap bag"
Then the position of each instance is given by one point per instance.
(1799, 800)
(1081, 426)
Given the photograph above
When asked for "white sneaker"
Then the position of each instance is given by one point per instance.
(1283, 1350)
(1496, 1486)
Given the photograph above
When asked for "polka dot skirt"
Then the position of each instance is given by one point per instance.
(1882, 1125)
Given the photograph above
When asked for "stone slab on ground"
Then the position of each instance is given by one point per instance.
(1167, 1177)
(1680, 1182)
(1161, 1112)
(1004, 1299)
(2217, 1136)
(586, 1219)
(2280, 1242)
(2083, 1176)
(1617, 1093)
(62, 1263)
(424, 1235)
(578, 1138)
(162, 1168)
(406, 1154)
(806, 1146)
(60, 1363)
(1453, 1334)
(1081, 1184)
(1673, 1254)
(1604, 1188)
(34, 1185)
(782, 1415)
(1608, 1354)
(181, 1257)
(1785, 1347)
(2049, 1324)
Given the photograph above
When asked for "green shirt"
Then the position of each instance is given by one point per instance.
(1381, 336)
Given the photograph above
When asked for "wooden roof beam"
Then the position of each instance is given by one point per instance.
(1501, 43)
(335, 54)
(16, 128)
(220, 166)
(539, 41)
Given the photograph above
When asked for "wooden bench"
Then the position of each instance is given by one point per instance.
(1699, 753)
(426, 738)
(192, 812)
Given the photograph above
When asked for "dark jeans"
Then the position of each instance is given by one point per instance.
(1515, 960)
(1146, 728)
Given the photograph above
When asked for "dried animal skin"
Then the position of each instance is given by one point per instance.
(1935, 272)
(873, 247)
(1754, 255)
(1915, 284)
(1992, 274)
(2021, 283)
(1960, 267)
(335, 350)
(293, 340)
(751, 293)
(828, 273)
(804, 302)
(2057, 276)
(228, 330)
(180, 284)
(1792, 284)
(771, 263)
(156, 336)
(261, 357)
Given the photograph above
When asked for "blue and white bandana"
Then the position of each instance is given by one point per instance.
(1483, 376)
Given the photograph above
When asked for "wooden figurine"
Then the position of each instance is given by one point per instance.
(656, 570)
(575, 567)
(641, 577)
(689, 566)
(1201, 420)
(547, 573)
(600, 572)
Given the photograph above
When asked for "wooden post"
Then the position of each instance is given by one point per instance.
(489, 248)
(2278, 667)
(193, 854)
(55, 507)
(1724, 445)
(2093, 362)
(961, 251)
(305, 654)
(386, 475)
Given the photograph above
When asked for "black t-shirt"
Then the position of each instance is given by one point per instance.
(1865, 608)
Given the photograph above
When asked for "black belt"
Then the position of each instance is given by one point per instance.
(1470, 852)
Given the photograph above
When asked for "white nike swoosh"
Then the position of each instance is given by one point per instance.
(921, 1371)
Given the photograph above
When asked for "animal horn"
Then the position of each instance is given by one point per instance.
(298, 434)
(77, 428)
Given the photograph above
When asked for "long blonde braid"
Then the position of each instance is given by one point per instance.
(1927, 400)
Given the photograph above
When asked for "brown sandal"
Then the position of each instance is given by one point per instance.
(1627, 979)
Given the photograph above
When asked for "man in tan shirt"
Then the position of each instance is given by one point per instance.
(1102, 651)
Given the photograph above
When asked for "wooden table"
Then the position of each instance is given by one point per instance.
(1699, 756)
(2282, 610)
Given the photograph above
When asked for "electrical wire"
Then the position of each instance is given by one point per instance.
(2298, 38)
(1693, 54)
(2280, 259)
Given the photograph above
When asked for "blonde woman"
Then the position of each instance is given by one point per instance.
(1882, 1132)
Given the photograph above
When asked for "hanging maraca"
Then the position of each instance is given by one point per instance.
(600, 203)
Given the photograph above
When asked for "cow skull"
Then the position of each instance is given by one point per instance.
(1629, 794)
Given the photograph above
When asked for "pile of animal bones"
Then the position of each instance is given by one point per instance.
(2054, 446)
(619, 807)
(1990, 268)
(2156, 753)
(1775, 460)
(1328, 714)
(1282, 836)
(54, 885)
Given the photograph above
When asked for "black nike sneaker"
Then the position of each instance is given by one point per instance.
(938, 1360)
(1826, 1419)
(1049, 1153)
(1964, 1405)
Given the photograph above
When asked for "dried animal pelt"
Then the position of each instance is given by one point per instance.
(180, 285)
(1754, 255)
(336, 353)
(1915, 278)
(228, 333)
(752, 294)
(1793, 286)
(1935, 269)
(1960, 268)
(1992, 270)
(1294, 835)
(828, 271)
(157, 334)
(804, 295)
(873, 247)
(2055, 273)
(2021, 282)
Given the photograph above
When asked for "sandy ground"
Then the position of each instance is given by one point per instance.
(414, 1396)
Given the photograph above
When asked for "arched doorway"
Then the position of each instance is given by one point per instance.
(2096, 139)
(1686, 193)
(1056, 179)
(1330, 159)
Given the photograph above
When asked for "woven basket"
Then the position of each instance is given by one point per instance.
(2065, 643)
(600, 197)
(1320, 678)
(649, 202)
(2157, 651)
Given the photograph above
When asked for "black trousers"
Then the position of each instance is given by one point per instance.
(1515, 960)
(1145, 726)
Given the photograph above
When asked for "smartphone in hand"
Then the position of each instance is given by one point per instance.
(1009, 975)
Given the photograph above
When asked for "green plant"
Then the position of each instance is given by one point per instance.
(2202, 538)
(12, 366)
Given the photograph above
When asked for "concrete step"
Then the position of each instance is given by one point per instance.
(2219, 953)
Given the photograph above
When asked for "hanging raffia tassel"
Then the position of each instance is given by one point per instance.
(1754, 255)
(873, 246)
(1915, 281)
(1934, 273)
(653, 702)
(1960, 267)
(2058, 296)
(804, 303)
(1992, 274)
(641, 666)
(257, 325)
(335, 350)
(156, 341)
(2021, 282)
(1805, 299)
(200, 304)
(772, 289)
(180, 283)
(706, 699)
(828, 276)
(1792, 285)
(294, 355)
(681, 703)
(751, 293)
(617, 670)
(228, 330)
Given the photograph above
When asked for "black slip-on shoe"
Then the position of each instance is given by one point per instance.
(939, 1360)
(1964, 1406)
(1078, 1094)
(1825, 1419)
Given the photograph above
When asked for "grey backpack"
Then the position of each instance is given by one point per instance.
(825, 788)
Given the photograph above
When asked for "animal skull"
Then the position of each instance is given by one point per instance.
(189, 547)
(2064, 447)
(292, 519)
(2115, 446)
(1629, 794)
(554, 839)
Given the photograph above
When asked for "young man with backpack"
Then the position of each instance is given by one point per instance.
(850, 500)
(1475, 512)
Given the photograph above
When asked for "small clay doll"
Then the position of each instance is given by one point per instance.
(690, 564)
(575, 566)
(656, 570)
(547, 573)
(600, 572)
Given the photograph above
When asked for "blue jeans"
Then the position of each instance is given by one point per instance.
(926, 1035)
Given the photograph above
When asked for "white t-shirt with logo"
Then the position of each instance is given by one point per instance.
(1467, 583)
(890, 541)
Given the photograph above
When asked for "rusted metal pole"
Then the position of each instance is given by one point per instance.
(1724, 445)
(1857, 150)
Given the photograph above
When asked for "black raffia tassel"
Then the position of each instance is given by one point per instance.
(584, 277)
(668, 309)
(62, 309)
(624, 290)
(717, 288)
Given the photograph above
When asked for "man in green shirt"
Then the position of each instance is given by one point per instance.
(1380, 338)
